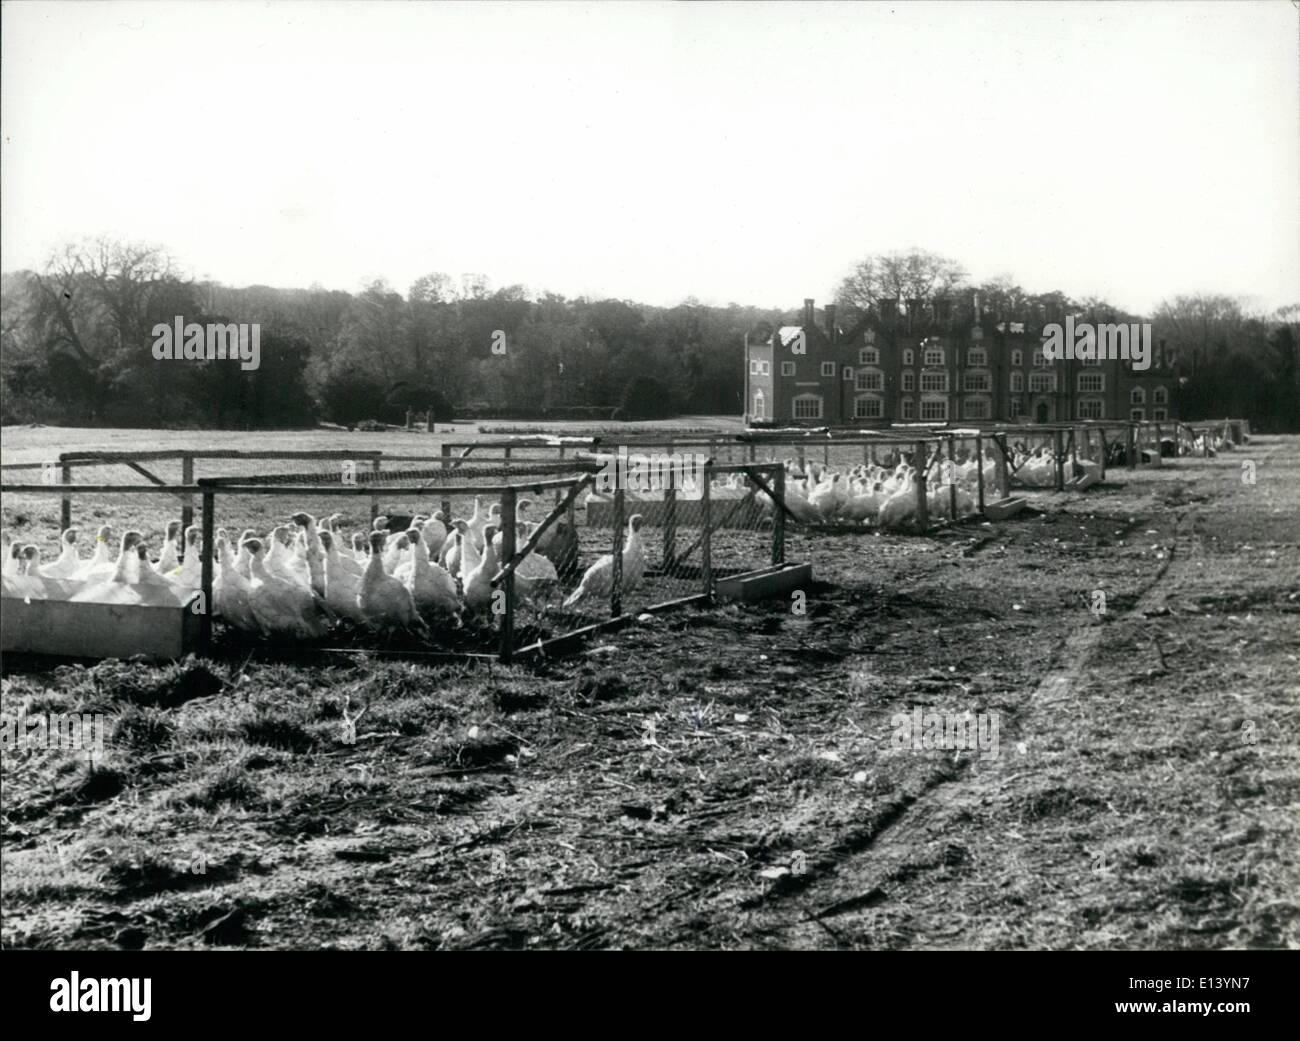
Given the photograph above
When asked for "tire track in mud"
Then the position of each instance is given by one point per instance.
(934, 794)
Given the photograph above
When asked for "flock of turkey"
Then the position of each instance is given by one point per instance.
(300, 580)
(306, 575)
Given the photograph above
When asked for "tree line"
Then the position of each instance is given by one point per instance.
(75, 341)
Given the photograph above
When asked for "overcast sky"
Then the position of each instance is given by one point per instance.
(737, 152)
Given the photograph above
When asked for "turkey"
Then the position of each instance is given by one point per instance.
(101, 564)
(342, 581)
(119, 587)
(432, 588)
(68, 563)
(190, 573)
(231, 591)
(478, 583)
(384, 601)
(168, 560)
(283, 606)
(598, 581)
(315, 558)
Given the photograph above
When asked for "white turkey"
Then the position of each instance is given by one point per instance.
(384, 601)
(478, 583)
(68, 562)
(598, 581)
(231, 591)
(284, 606)
(342, 581)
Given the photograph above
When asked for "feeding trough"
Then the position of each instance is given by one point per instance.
(1001, 509)
(74, 629)
(762, 583)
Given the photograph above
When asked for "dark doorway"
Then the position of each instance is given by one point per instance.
(1040, 414)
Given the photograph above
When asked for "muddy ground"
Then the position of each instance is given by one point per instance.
(725, 778)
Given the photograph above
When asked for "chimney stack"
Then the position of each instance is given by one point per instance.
(807, 314)
(888, 306)
(830, 323)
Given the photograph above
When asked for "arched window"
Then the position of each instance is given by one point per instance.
(1161, 396)
(869, 356)
(1137, 396)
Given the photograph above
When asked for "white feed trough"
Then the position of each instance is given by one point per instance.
(98, 630)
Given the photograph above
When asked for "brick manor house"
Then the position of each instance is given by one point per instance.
(920, 366)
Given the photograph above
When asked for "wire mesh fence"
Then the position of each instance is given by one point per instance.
(471, 561)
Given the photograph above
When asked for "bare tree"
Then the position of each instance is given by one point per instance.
(908, 275)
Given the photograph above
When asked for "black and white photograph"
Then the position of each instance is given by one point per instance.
(650, 476)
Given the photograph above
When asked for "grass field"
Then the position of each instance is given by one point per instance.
(725, 778)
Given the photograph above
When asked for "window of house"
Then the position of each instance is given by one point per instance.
(869, 355)
(1017, 382)
(754, 368)
(866, 407)
(870, 381)
(848, 372)
(1090, 408)
(932, 356)
(935, 381)
(1042, 382)
(1015, 408)
(977, 357)
(787, 368)
(1137, 415)
(808, 406)
(976, 381)
(909, 408)
(1092, 382)
(909, 356)
(909, 380)
(828, 368)
(1137, 396)
(934, 410)
(760, 405)
(979, 408)
(1041, 360)
(1160, 396)
(1017, 358)
(763, 368)
(1159, 414)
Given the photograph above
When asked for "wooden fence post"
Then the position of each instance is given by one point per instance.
(706, 535)
(1058, 450)
(509, 506)
(374, 500)
(670, 521)
(206, 548)
(446, 503)
(778, 515)
(979, 469)
(1131, 446)
(187, 504)
(922, 507)
(952, 478)
(65, 507)
(1000, 466)
(616, 587)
